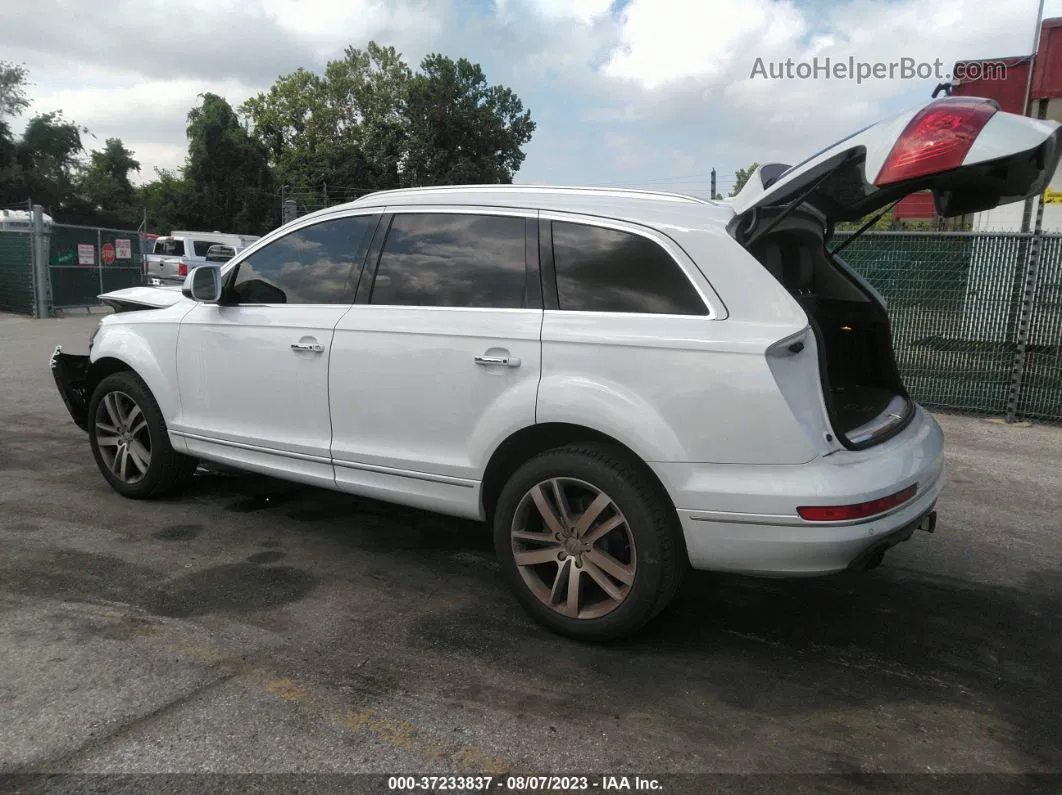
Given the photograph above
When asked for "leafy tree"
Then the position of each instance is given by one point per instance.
(462, 130)
(230, 184)
(13, 81)
(741, 176)
(319, 128)
(166, 202)
(105, 185)
(369, 121)
(47, 161)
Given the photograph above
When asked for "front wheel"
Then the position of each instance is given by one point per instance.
(588, 543)
(129, 441)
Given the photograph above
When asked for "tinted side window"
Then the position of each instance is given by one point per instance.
(446, 259)
(606, 270)
(201, 247)
(319, 264)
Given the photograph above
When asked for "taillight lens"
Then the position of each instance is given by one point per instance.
(937, 139)
(863, 510)
(182, 269)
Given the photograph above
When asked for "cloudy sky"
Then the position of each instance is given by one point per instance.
(643, 93)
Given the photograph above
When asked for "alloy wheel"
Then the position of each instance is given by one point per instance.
(122, 437)
(573, 548)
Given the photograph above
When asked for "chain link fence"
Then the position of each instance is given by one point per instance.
(85, 261)
(975, 329)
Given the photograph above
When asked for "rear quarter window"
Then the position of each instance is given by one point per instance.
(609, 270)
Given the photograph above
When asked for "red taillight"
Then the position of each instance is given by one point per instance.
(937, 139)
(863, 510)
(182, 268)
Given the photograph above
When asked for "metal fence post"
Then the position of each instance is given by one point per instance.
(39, 253)
(99, 257)
(1025, 312)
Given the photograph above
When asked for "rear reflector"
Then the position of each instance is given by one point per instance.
(863, 510)
(937, 139)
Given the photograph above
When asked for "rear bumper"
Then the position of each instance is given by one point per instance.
(70, 374)
(743, 518)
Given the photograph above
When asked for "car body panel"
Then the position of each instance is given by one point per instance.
(243, 383)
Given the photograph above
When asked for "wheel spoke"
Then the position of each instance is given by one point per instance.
(141, 457)
(536, 556)
(110, 403)
(602, 579)
(534, 538)
(590, 515)
(603, 529)
(141, 425)
(562, 503)
(623, 573)
(557, 590)
(572, 604)
(133, 416)
(546, 511)
(115, 462)
(107, 441)
(102, 426)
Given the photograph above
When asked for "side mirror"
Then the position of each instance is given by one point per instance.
(203, 284)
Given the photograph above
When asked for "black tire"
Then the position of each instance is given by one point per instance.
(167, 471)
(658, 550)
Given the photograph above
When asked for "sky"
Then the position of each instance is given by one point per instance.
(649, 94)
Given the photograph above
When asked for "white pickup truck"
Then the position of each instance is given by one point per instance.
(176, 254)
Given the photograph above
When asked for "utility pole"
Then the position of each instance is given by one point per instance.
(713, 185)
(1026, 109)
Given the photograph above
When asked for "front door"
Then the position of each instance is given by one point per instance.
(253, 369)
(439, 360)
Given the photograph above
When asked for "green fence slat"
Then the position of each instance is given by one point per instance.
(16, 273)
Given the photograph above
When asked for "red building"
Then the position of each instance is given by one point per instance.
(1005, 80)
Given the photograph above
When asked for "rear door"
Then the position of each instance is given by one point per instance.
(439, 359)
(971, 155)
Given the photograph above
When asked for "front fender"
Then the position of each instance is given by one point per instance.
(149, 350)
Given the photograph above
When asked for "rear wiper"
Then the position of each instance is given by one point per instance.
(863, 228)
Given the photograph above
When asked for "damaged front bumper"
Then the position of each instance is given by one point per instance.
(70, 373)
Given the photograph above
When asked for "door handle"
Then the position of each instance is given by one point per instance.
(312, 347)
(497, 361)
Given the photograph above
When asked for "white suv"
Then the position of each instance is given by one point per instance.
(623, 383)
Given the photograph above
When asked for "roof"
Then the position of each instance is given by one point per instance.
(652, 208)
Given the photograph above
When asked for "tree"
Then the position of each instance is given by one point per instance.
(369, 122)
(462, 130)
(318, 128)
(105, 185)
(741, 176)
(230, 184)
(13, 81)
(166, 202)
(46, 160)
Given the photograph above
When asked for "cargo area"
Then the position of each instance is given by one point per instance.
(863, 391)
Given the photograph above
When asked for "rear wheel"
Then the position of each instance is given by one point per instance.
(589, 544)
(129, 440)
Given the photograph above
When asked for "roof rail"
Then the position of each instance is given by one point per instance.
(616, 192)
